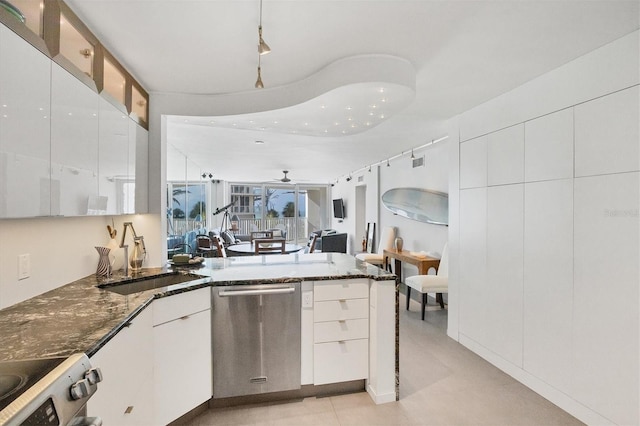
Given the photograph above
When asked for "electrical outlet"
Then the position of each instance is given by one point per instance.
(24, 266)
(307, 299)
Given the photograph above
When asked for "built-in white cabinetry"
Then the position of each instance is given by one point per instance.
(125, 396)
(138, 169)
(549, 147)
(182, 353)
(64, 149)
(473, 163)
(341, 331)
(113, 156)
(505, 156)
(25, 77)
(75, 110)
(607, 135)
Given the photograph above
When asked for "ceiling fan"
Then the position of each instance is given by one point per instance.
(285, 179)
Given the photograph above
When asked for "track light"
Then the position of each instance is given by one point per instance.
(369, 168)
(349, 178)
(388, 165)
(413, 157)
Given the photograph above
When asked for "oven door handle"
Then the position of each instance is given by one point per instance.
(256, 292)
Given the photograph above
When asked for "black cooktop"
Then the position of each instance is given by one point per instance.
(19, 375)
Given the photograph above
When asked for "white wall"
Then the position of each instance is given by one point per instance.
(62, 250)
(417, 236)
(547, 278)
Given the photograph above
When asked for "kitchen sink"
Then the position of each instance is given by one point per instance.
(148, 283)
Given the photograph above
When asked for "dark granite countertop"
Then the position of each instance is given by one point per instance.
(80, 317)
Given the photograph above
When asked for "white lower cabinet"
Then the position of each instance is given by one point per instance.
(182, 353)
(340, 331)
(125, 396)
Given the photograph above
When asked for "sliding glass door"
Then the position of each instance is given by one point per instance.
(296, 210)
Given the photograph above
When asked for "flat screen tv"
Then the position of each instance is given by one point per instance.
(338, 208)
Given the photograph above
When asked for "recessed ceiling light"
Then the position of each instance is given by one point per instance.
(306, 124)
(344, 131)
(350, 119)
(234, 124)
(212, 122)
(186, 121)
(336, 123)
(371, 113)
(250, 121)
(275, 122)
(322, 107)
(381, 115)
(383, 100)
(381, 90)
(349, 108)
(374, 106)
(368, 123)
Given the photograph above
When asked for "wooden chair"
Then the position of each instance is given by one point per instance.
(269, 245)
(219, 243)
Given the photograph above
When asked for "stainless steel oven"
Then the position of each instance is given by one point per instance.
(256, 339)
(47, 391)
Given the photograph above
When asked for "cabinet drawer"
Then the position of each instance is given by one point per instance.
(332, 310)
(180, 305)
(332, 331)
(341, 289)
(336, 362)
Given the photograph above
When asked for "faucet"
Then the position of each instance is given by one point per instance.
(126, 247)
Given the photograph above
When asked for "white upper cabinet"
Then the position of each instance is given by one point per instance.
(607, 136)
(25, 75)
(473, 163)
(113, 156)
(138, 169)
(74, 146)
(549, 147)
(505, 156)
(65, 150)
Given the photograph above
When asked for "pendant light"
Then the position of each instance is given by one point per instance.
(259, 84)
(263, 48)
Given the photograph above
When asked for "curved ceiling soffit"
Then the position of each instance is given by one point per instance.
(378, 70)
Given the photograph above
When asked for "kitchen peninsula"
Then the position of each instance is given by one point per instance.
(348, 309)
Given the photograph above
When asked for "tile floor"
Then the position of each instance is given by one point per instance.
(441, 383)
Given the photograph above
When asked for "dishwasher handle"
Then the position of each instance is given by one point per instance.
(256, 292)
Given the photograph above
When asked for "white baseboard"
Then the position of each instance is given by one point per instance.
(380, 399)
(561, 399)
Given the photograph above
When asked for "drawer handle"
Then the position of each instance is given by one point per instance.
(342, 321)
(129, 409)
(185, 317)
(342, 300)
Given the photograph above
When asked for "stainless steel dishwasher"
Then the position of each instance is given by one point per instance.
(256, 339)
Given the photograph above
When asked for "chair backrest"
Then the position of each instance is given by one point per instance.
(312, 243)
(217, 241)
(443, 269)
(334, 243)
(203, 241)
(387, 239)
(269, 245)
(260, 234)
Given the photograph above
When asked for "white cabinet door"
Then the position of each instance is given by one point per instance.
(113, 156)
(125, 396)
(182, 365)
(74, 145)
(341, 361)
(25, 77)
